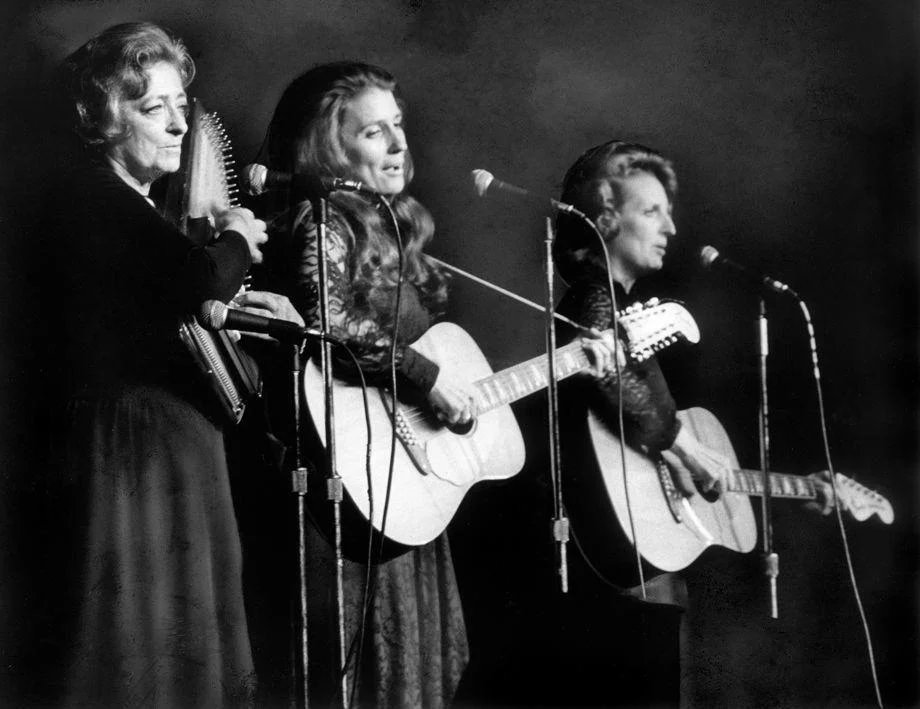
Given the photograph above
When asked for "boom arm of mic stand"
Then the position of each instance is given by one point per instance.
(514, 296)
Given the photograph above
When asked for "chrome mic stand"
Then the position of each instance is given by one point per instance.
(299, 487)
(560, 521)
(334, 481)
(770, 557)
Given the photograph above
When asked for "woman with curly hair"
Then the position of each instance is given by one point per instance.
(147, 603)
(345, 120)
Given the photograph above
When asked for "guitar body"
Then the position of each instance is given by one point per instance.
(672, 531)
(434, 466)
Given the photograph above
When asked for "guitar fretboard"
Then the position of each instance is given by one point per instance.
(648, 329)
(528, 377)
(781, 484)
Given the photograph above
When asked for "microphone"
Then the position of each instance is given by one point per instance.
(215, 315)
(258, 179)
(484, 181)
(711, 258)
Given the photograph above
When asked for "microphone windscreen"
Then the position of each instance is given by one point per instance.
(255, 176)
(212, 315)
(708, 256)
(481, 181)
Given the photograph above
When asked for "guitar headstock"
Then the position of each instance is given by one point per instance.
(862, 502)
(655, 324)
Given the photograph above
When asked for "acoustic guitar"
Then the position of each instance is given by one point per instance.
(435, 465)
(673, 530)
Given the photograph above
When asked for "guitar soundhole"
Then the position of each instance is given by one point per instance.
(462, 429)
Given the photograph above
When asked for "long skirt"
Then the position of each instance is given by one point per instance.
(414, 647)
(152, 608)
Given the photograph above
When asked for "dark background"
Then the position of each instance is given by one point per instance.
(793, 128)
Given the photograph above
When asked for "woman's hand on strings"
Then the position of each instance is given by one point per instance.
(696, 466)
(453, 399)
(603, 352)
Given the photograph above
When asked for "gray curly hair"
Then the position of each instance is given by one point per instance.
(112, 68)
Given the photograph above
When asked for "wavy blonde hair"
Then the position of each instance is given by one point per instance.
(304, 137)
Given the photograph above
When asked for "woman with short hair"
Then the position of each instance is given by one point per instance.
(148, 607)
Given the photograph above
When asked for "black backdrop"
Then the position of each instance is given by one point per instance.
(793, 128)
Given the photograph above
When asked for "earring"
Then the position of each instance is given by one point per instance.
(608, 222)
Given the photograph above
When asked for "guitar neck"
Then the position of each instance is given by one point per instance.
(648, 328)
(781, 485)
(528, 377)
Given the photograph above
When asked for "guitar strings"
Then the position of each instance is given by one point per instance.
(414, 414)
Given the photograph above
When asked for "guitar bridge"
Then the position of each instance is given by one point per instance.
(671, 493)
(407, 436)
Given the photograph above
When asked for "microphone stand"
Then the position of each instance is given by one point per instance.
(770, 557)
(560, 521)
(299, 486)
(334, 481)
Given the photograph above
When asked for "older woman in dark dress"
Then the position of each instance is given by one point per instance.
(148, 606)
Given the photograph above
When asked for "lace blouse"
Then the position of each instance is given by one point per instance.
(362, 320)
(649, 411)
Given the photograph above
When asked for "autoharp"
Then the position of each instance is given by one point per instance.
(206, 186)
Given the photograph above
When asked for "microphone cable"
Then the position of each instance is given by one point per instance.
(393, 379)
(615, 323)
(356, 644)
(359, 635)
(369, 430)
(370, 587)
(822, 419)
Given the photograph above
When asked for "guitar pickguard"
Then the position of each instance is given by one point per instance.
(671, 530)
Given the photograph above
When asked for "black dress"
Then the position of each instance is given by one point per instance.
(415, 649)
(149, 608)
